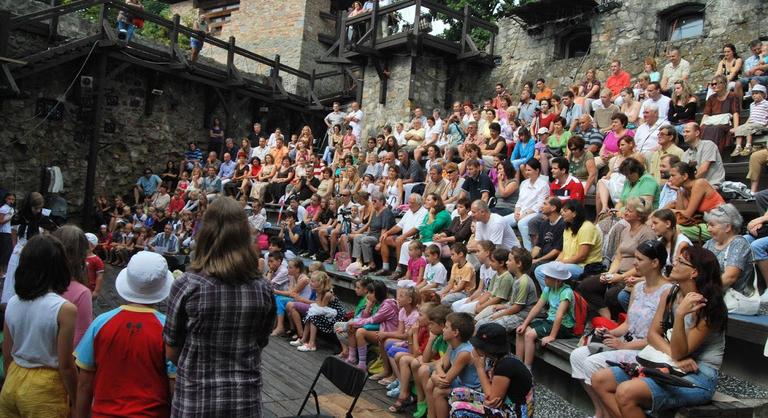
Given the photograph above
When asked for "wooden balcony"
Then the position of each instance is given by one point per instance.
(413, 26)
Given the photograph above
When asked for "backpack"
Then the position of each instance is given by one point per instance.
(580, 312)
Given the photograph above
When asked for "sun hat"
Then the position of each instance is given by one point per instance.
(145, 280)
(542, 131)
(92, 239)
(491, 338)
(556, 270)
(759, 87)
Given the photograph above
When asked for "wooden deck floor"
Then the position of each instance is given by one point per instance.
(287, 373)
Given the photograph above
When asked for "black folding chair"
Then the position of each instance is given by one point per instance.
(346, 377)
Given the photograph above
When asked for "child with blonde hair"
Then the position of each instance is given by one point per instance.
(326, 311)
(396, 341)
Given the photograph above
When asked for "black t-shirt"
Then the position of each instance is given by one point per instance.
(520, 379)
(550, 237)
(475, 186)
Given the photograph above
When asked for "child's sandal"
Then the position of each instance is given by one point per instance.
(400, 405)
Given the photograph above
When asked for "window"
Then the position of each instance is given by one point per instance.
(574, 43)
(682, 22)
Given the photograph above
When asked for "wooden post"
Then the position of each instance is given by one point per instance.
(231, 58)
(275, 73)
(103, 15)
(464, 29)
(5, 31)
(229, 127)
(343, 34)
(53, 26)
(374, 22)
(311, 85)
(93, 144)
(174, 36)
(417, 18)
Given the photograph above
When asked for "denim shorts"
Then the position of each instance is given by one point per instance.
(671, 397)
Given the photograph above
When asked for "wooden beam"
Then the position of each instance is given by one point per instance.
(93, 144)
(223, 101)
(174, 36)
(383, 78)
(229, 125)
(9, 79)
(53, 26)
(5, 31)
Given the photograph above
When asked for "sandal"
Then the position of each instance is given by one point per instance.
(400, 404)
(377, 376)
(387, 380)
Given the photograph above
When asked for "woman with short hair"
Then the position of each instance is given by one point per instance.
(582, 163)
(220, 314)
(733, 252)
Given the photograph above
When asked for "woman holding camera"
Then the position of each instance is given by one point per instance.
(622, 343)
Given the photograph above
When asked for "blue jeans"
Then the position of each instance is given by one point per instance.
(759, 247)
(624, 299)
(128, 28)
(522, 226)
(517, 163)
(328, 155)
(575, 269)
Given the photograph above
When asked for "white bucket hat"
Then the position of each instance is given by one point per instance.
(146, 279)
(556, 270)
(92, 238)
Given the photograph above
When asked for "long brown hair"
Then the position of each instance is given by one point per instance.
(224, 248)
(75, 248)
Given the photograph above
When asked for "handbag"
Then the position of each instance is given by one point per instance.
(694, 220)
(739, 303)
(651, 357)
(721, 119)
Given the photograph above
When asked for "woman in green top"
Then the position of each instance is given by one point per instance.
(582, 163)
(558, 138)
(639, 184)
(436, 220)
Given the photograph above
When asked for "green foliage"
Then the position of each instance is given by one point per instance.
(482, 9)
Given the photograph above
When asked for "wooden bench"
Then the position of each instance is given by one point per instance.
(558, 355)
(753, 329)
(345, 280)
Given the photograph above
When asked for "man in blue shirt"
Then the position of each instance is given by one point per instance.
(754, 70)
(145, 186)
(227, 169)
(192, 156)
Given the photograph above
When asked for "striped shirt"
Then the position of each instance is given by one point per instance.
(758, 113)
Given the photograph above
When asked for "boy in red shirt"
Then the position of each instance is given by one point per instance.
(94, 267)
(123, 369)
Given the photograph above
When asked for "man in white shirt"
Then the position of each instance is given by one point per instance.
(355, 120)
(261, 151)
(407, 227)
(492, 227)
(273, 139)
(647, 134)
(654, 96)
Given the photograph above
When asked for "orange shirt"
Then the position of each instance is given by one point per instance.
(617, 82)
(545, 94)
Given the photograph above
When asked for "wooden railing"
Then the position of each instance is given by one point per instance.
(175, 29)
(419, 18)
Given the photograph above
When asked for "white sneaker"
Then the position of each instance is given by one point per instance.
(764, 297)
(297, 342)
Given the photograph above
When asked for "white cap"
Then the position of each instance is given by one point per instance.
(145, 280)
(759, 87)
(542, 130)
(92, 238)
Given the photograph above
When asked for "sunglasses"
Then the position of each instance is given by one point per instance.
(681, 260)
(714, 83)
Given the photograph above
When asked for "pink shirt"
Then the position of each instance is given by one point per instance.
(414, 265)
(80, 296)
(611, 142)
(408, 319)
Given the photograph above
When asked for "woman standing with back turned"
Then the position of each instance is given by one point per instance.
(220, 313)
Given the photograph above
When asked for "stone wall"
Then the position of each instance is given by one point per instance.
(629, 33)
(139, 140)
(429, 79)
(288, 28)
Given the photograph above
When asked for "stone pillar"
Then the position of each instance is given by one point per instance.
(428, 81)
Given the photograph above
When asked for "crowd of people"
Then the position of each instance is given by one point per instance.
(477, 216)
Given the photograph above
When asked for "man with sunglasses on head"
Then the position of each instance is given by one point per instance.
(666, 140)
